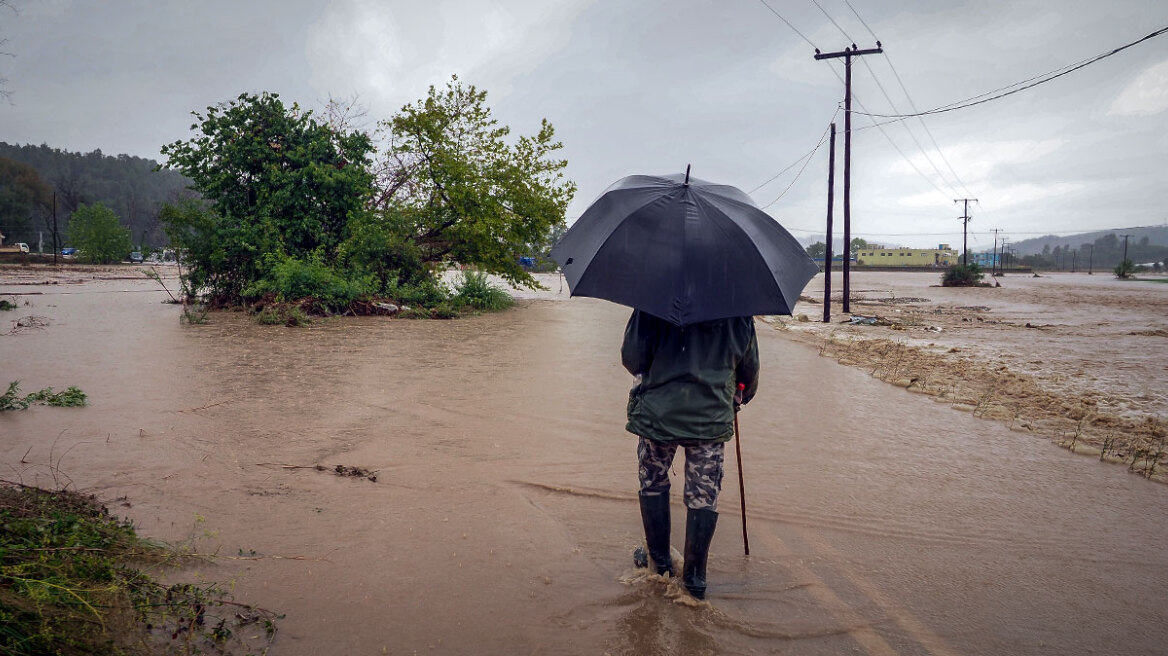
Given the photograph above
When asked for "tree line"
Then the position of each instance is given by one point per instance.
(1105, 252)
(130, 187)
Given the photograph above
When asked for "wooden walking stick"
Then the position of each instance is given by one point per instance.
(741, 485)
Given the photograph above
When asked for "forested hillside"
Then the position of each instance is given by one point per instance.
(125, 184)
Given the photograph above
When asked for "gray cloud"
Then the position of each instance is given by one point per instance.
(653, 85)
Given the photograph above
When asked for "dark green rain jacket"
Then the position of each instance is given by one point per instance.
(688, 376)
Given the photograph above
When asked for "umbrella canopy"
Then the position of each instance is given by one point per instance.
(684, 250)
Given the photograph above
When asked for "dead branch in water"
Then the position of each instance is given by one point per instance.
(204, 407)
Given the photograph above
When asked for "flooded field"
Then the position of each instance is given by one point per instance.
(504, 512)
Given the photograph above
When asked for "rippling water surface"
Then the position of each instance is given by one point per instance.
(504, 513)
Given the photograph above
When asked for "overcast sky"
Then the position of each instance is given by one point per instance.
(648, 86)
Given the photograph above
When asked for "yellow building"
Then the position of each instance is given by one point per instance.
(942, 256)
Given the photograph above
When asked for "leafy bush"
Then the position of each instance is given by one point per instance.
(962, 276)
(426, 292)
(291, 279)
(474, 290)
(1125, 269)
(283, 315)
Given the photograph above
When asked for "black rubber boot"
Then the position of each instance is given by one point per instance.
(699, 530)
(655, 517)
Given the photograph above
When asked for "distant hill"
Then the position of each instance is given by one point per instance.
(1157, 236)
(126, 184)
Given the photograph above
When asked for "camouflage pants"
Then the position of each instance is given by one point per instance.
(703, 469)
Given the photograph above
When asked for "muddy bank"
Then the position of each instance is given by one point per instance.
(1074, 359)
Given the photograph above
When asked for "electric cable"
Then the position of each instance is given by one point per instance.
(1041, 79)
(796, 162)
(796, 30)
(803, 168)
(837, 25)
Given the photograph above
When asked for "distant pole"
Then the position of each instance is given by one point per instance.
(847, 54)
(994, 261)
(965, 228)
(1125, 247)
(1090, 259)
(56, 248)
(1074, 259)
(827, 249)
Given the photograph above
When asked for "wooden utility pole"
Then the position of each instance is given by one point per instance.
(965, 229)
(1074, 259)
(56, 248)
(1125, 247)
(847, 54)
(1090, 259)
(994, 261)
(827, 254)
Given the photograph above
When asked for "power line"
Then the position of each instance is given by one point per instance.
(970, 102)
(874, 37)
(796, 30)
(804, 167)
(906, 128)
(796, 162)
(886, 136)
(904, 89)
(837, 25)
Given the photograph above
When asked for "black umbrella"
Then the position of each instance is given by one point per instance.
(684, 250)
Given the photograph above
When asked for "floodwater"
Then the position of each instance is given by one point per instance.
(504, 514)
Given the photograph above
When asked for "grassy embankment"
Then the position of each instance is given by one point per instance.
(76, 580)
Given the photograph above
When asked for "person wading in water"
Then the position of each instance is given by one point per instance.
(690, 381)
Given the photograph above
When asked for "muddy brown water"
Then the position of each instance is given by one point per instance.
(504, 513)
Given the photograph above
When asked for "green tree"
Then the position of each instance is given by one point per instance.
(460, 191)
(960, 275)
(281, 189)
(96, 231)
(858, 244)
(22, 196)
(1125, 269)
(817, 250)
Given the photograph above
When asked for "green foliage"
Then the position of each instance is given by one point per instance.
(474, 290)
(463, 193)
(283, 314)
(962, 276)
(276, 182)
(6, 304)
(71, 397)
(818, 249)
(292, 279)
(292, 209)
(95, 230)
(1124, 269)
(67, 586)
(426, 292)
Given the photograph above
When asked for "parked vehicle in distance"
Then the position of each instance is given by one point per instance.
(136, 258)
(68, 251)
(14, 248)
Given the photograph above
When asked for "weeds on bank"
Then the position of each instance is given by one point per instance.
(11, 399)
(71, 583)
